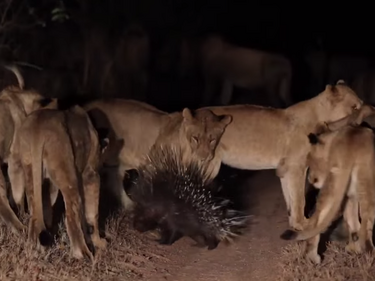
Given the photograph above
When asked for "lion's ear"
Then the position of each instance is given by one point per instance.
(341, 82)
(332, 89)
(328, 87)
(186, 113)
(226, 119)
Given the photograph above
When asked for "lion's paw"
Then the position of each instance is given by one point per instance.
(100, 243)
(353, 247)
(314, 257)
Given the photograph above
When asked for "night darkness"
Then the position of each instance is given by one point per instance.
(91, 40)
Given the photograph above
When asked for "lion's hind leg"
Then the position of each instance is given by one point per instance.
(65, 177)
(351, 217)
(367, 213)
(73, 220)
(6, 211)
(91, 190)
(17, 182)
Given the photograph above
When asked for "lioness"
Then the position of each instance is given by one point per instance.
(246, 68)
(141, 126)
(341, 163)
(15, 104)
(62, 146)
(268, 138)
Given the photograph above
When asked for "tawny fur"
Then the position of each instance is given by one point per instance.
(140, 126)
(246, 68)
(15, 104)
(341, 163)
(132, 53)
(62, 146)
(268, 138)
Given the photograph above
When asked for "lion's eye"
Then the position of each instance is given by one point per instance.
(355, 107)
(195, 139)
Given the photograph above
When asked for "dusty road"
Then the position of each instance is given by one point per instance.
(253, 257)
(134, 256)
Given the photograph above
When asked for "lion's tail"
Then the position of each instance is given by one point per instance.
(17, 72)
(37, 168)
(327, 213)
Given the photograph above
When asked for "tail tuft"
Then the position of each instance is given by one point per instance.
(289, 235)
(45, 238)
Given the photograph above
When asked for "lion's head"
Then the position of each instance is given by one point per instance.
(203, 130)
(338, 101)
(33, 100)
(29, 100)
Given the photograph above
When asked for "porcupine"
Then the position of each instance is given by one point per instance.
(175, 197)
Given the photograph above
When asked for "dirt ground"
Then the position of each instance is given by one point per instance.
(257, 255)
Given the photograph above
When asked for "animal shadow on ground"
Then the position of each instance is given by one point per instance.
(235, 187)
(109, 205)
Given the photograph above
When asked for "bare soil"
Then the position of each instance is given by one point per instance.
(259, 254)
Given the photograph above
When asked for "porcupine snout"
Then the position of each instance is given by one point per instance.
(144, 219)
(212, 242)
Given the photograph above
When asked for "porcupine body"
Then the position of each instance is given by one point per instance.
(175, 197)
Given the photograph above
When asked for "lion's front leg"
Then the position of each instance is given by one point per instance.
(293, 186)
(126, 202)
(312, 245)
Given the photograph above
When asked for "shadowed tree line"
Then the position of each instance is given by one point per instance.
(102, 49)
(145, 50)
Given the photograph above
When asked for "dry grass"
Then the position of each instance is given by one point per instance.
(337, 265)
(127, 257)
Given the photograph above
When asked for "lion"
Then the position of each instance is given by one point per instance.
(16, 103)
(332, 67)
(62, 146)
(247, 68)
(132, 57)
(268, 138)
(134, 127)
(340, 164)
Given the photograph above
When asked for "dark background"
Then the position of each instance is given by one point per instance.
(95, 29)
